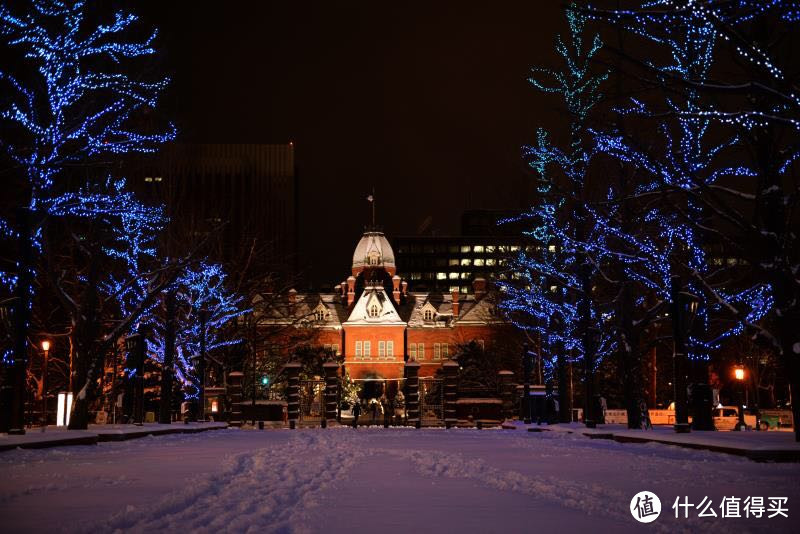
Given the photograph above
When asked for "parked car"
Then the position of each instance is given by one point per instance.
(775, 419)
(727, 417)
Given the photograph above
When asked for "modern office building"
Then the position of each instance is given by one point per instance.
(248, 192)
(451, 263)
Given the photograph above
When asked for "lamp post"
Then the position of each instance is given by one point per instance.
(738, 373)
(46, 350)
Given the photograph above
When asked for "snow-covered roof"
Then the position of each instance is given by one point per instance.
(374, 307)
(304, 308)
(373, 249)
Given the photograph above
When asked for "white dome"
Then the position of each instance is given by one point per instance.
(373, 250)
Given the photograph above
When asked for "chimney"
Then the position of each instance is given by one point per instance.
(405, 288)
(479, 288)
(396, 289)
(456, 305)
(343, 289)
(351, 290)
(292, 300)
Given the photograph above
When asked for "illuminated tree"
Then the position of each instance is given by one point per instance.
(550, 290)
(747, 205)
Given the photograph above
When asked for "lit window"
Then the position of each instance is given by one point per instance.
(502, 249)
(453, 276)
(465, 248)
(441, 276)
(157, 179)
(551, 248)
(420, 351)
(428, 315)
(490, 249)
(412, 350)
(514, 248)
(452, 261)
(437, 351)
(453, 288)
(416, 276)
(381, 349)
(466, 276)
(374, 310)
(358, 349)
(478, 248)
(367, 349)
(390, 349)
(478, 262)
(464, 289)
(491, 261)
(148, 178)
(466, 262)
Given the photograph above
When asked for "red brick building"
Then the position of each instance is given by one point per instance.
(377, 322)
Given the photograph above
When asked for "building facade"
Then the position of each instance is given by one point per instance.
(376, 322)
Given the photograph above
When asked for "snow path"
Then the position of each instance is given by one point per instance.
(258, 491)
(340, 480)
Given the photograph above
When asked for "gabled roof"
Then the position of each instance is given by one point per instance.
(281, 312)
(374, 295)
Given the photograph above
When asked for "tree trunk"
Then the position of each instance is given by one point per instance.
(165, 413)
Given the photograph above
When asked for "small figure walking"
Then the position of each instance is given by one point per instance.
(356, 413)
(646, 423)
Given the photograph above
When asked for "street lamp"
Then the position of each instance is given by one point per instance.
(738, 373)
(46, 350)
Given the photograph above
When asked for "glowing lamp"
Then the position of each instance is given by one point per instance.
(45, 345)
(739, 373)
(214, 406)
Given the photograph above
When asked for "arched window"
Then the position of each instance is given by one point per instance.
(319, 315)
(428, 315)
(374, 310)
(374, 258)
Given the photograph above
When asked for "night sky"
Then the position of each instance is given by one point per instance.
(425, 101)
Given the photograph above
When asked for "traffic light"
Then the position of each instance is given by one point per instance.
(264, 380)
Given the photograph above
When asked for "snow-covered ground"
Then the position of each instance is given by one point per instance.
(377, 480)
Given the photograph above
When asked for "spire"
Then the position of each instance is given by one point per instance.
(371, 200)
